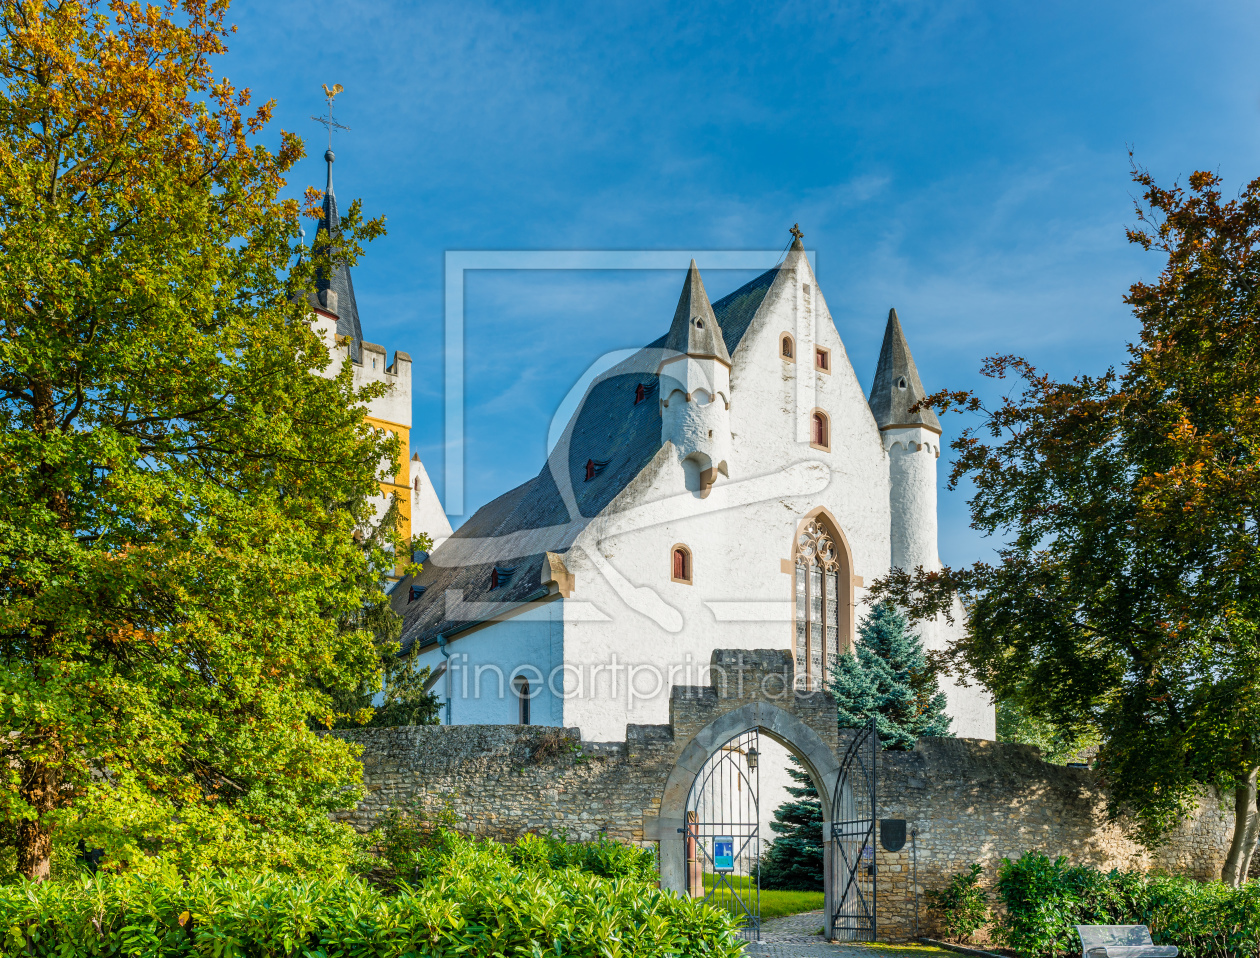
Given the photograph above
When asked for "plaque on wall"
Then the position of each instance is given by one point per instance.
(892, 833)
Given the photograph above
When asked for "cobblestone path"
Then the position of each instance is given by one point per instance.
(795, 937)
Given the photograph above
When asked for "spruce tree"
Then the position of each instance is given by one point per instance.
(794, 860)
(888, 677)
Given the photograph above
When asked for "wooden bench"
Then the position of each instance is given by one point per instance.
(1121, 941)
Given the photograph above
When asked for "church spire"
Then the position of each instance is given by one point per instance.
(335, 292)
(897, 385)
(695, 330)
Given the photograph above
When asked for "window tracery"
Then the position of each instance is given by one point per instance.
(818, 605)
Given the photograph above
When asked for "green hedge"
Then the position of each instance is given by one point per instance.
(1045, 897)
(472, 899)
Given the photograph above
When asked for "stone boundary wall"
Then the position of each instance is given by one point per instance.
(971, 800)
(502, 781)
(980, 801)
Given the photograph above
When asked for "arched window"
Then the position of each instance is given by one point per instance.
(681, 569)
(820, 431)
(520, 685)
(820, 597)
(787, 347)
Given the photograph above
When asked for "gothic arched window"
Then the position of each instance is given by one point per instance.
(818, 604)
(521, 685)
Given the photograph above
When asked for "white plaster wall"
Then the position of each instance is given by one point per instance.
(694, 416)
(427, 514)
(971, 706)
(531, 644)
(395, 405)
(912, 457)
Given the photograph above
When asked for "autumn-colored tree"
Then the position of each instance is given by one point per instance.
(1126, 597)
(179, 487)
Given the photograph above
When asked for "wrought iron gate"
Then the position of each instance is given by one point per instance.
(852, 846)
(722, 835)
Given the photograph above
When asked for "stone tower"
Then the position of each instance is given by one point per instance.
(913, 443)
(336, 320)
(695, 393)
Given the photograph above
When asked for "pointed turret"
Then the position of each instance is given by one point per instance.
(897, 385)
(335, 293)
(913, 443)
(695, 330)
(695, 380)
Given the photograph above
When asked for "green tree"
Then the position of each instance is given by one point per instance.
(889, 677)
(794, 860)
(397, 679)
(1127, 592)
(181, 475)
(1016, 724)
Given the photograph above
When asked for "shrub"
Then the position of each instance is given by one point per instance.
(961, 908)
(472, 899)
(605, 857)
(1045, 897)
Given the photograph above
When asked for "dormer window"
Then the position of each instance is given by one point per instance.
(594, 467)
(415, 592)
(787, 347)
(822, 359)
(639, 393)
(500, 576)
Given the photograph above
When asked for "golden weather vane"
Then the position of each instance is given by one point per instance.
(331, 94)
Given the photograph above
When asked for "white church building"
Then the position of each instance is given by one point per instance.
(730, 485)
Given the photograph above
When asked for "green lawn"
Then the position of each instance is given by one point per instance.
(774, 904)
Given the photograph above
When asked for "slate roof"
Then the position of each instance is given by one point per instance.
(891, 400)
(521, 526)
(339, 282)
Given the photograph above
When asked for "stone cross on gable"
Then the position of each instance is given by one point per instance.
(795, 230)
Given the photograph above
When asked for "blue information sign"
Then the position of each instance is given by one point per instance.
(724, 853)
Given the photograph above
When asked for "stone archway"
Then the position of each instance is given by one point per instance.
(750, 689)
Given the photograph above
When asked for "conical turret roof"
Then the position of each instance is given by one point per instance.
(695, 330)
(339, 282)
(897, 385)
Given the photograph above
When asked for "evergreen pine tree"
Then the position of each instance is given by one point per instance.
(794, 860)
(888, 677)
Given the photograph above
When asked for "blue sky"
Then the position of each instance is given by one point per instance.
(963, 162)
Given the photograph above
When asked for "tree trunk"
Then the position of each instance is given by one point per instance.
(1233, 871)
(40, 788)
(1249, 846)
